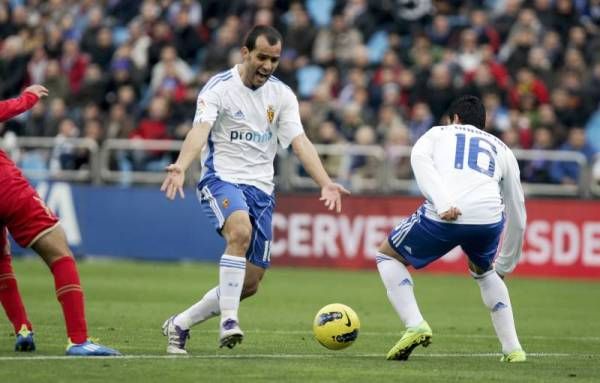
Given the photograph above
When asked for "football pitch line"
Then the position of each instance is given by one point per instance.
(436, 334)
(286, 356)
(200, 330)
(308, 333)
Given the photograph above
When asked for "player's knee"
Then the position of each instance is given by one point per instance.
(240, 236)
(52, 246)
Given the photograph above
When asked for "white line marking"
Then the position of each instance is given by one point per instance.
(378, 333)
(286, 356)
(399, 333)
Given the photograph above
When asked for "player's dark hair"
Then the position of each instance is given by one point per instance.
(271, 34)
(469, 109)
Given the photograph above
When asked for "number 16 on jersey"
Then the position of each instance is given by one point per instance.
(475, 149)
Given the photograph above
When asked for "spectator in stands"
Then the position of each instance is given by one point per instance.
(186, 38)
(64, 156)
(329, 135)
(527, 84)
(56, 82)
(73, 64)
(351, 120)
(420, 121)
(161, 37)
(13, 67)
(89, 38)
(398, 136)
(338, 44)
(171, 69)
(300, 34)
(439, 91)
(440, 32)
(497, 118)
(152, 127)
(364, 168)
(36, 68)
(569, 172)
(564, 108)
(217, 53)
(119, 124)
(539, 170)
(94, 131)
(93, 87)
(388, 118)
(191, 8)
(34, 125)
(139, 41)
(539, 62)
(469, 53)
(103, 49)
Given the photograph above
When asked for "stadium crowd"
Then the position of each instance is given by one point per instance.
(370, 72)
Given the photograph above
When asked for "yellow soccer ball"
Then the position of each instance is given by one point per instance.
(336, 326)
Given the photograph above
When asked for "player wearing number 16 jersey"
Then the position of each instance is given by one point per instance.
(470, 180)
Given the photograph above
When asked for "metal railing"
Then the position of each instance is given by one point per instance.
(44, 146)
(384, 170)
(122, 151)
(338, 159)
(549, 189)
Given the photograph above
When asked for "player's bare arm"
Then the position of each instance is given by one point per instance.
(190, 151)
(331, 192)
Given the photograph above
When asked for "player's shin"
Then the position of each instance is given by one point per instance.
(399, 286)
(10, 296)
(205, 308)
(232, 270)
(495, 296)
(70, 296)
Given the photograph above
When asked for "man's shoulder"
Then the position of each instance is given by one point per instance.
(279, 85)
(218, 81)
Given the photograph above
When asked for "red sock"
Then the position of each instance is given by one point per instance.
(10, 297)
(70, 296)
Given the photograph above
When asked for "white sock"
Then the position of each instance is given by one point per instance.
(495, 297)
(399, 286)
(232, 270)
(204, 309)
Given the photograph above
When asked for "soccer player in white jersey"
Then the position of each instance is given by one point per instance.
(242, 114)
(470, 180)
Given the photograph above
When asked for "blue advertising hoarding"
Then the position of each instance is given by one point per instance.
(137, 222)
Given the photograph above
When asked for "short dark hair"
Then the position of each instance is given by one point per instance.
(271, 34)
(469, 109)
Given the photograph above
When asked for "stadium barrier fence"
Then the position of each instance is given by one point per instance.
(114, 161)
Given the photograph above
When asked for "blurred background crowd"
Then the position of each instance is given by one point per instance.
(377, 72)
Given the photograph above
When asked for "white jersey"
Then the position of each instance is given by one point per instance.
(247, 125)
(464, 167)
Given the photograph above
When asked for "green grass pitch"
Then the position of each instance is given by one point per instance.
(558, 323)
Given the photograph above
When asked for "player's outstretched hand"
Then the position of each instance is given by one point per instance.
(331, 194)
(38, 90)
(450, 214)
(173, 183)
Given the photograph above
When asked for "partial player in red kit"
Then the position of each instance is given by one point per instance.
(32, 224)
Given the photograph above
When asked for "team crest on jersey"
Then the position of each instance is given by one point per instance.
(270, 113)
(225, 203)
